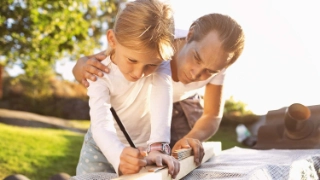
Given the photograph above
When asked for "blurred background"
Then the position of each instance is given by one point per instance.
(44, 111)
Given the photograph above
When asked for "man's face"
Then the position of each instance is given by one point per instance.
(197, 61)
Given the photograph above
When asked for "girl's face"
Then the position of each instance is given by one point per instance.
(197, 61)
(133, 65)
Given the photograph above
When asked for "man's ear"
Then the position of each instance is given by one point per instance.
(190, 34)
(112, 41)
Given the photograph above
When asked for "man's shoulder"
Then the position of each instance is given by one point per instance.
(180, 33)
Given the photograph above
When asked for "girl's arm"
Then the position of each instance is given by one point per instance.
(125, 160)
(161, 110)
(161, 104)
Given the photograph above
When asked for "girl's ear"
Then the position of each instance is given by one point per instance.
(190, 34)
(112, 41)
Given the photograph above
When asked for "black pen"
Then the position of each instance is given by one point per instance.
(116, 117)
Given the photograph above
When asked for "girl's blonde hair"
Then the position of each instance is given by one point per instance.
(230, 33)
(145, 25)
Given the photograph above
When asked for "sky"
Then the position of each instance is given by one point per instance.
(280, 63)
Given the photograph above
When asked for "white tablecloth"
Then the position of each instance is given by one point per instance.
(241, 163)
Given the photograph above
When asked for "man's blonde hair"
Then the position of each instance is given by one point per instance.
(230, 33)
(146, 25)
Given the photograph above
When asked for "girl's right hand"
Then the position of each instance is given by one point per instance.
(131, 161)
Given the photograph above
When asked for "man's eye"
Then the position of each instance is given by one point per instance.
(197, 60)
(211, 72)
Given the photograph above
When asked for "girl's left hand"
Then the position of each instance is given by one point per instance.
(158, 158)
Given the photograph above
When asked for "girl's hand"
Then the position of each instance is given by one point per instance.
(158, 158)
(131, 161)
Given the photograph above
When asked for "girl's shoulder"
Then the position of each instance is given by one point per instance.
(107, 61)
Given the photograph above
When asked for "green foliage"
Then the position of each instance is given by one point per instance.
(234, 120)
(38, 153)
(236, 112)
(227, 136)
(34, 34)
(233, 107)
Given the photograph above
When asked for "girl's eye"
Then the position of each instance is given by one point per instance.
(152, 65)
(131, 60)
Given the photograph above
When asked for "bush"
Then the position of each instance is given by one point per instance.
(234, 120)
(237, 108)
(58, 98)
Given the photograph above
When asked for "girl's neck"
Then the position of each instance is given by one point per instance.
(178, 45)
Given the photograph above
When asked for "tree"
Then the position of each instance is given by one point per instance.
(234, 107)
(36, 33)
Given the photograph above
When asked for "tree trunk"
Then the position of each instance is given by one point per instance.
(1, 80)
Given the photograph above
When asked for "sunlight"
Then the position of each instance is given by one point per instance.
(279, 65)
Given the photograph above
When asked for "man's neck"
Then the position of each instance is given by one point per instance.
(174, 73)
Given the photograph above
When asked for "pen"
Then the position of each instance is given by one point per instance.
(116, 117)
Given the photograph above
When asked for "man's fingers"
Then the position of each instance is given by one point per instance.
(101, 57)
(96, 64)
(182, 143)
(90, 76)
(85, 83)
(185, 143)
(202, 154)
(94, 69)
(198, 150)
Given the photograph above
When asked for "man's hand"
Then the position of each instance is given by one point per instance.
(158, 158)
(196, 146)
(131, 161)
(89, 67)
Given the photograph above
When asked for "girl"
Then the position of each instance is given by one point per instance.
(138, 88)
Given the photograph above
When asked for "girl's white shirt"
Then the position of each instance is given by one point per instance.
(144, 107)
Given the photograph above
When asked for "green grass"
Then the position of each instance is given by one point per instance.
(227, 136)
(80, 124)
(38, 153)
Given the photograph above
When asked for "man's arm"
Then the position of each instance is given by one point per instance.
(209, 122)
(88, 67)
(207, 125)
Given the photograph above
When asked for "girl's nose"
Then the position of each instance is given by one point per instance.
(138, 73)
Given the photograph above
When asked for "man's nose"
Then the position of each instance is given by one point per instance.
(196, 73)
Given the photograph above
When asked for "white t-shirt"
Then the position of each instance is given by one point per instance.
(182, 91)
(142, 105)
